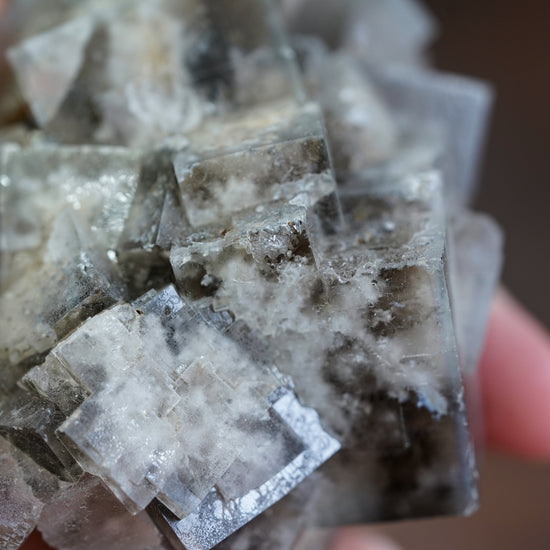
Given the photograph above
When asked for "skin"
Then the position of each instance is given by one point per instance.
(515, 376)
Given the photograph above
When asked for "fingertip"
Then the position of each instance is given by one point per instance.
(362, 539)
(515, 377)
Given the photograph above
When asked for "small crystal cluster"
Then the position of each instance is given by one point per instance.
(228, 265)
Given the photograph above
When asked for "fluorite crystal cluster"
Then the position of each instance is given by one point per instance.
(228, 264)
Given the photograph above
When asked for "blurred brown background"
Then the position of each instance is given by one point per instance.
(506, 42)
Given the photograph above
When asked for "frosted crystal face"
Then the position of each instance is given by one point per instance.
(149, 70)
(258, 481)
(191, 375)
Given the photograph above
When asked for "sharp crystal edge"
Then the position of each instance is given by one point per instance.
(217, 518)
(241, 292)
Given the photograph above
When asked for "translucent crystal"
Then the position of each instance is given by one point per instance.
(39, 183)
(360, 129)
(278, 152)
(182, 371)
(231, 505)
(475, 255)
(155, 222)
(414, 398)
(379, 31)
(44, 485)
(475, 263)
(29, 422)
(58, 55)
(72, 283)
(390, 31)
(87, 516)
(279, 526)
(454, 109)
(148, 70)
(19, 508)
(383, 360)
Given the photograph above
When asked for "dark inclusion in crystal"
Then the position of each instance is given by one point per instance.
(226, 279)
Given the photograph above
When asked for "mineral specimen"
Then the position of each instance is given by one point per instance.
(239, 285)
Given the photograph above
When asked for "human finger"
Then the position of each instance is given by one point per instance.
(515, 377)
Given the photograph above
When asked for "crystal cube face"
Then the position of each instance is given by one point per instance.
(238, 288)
(280, 153)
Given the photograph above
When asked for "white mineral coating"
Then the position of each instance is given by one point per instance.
(155, 368)
(231, 504)
(278, 152)
(454, 108)
(274, 241)
(267, 274)
(19, 508)
(379, 31)
(87, 516)
(152, 70)
(147, 94)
